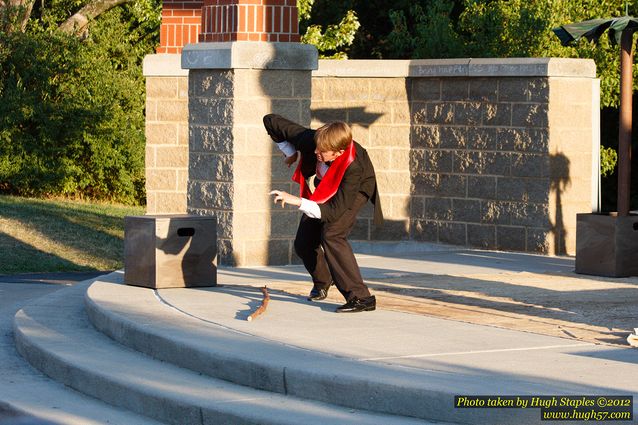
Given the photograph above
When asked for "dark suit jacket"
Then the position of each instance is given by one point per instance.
(358, 178)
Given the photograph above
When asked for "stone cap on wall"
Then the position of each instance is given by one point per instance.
(163, 65)
(250, 55)
(468, 67)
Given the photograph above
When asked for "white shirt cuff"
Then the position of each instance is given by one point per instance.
(310, 208)
(287, 148)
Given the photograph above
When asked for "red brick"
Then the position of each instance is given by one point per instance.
(242, 36)
(268, 15)
(163, 35)
(295, 38)
(278, 16)
(294, 18)
(195, 20)
(186, 35)
(233, 19)
(183, 12)
(286, 27)
(172, 21)
(261, 13)
(192, 34)
(196, 5)
(178, 36)
(171, 35)
(263, 37)
(250, 16)
(241, 18)
(211, 20)
(284, 37)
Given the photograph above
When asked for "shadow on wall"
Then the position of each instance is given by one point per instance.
(364, 229)
(481, 176)
(353, 115)
(559, 181)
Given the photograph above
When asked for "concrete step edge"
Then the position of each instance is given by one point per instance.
(152, 328)
(49, 403)
(54, 335)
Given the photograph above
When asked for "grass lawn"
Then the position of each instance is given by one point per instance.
(38, 235)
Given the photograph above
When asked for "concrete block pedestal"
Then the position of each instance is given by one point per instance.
(170, 251)
(607, 245)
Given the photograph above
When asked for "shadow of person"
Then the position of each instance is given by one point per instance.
(187, 251)
(170, 251)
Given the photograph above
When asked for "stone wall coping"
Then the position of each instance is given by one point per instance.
(468, 67)
(163, 65)
(250, 55)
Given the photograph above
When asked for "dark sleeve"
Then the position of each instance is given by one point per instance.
(281, 129)
(332, 210)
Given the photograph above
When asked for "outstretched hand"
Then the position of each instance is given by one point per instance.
(285, 198)
(291, 159)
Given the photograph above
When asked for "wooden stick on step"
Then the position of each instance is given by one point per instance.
(262, 308)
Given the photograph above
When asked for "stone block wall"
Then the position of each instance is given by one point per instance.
(166, 134)
(480, 161)
(492, 154)
(497, 154)
(378, 111)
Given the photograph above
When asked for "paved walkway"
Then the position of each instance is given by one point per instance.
(518, 323)
(524, 292)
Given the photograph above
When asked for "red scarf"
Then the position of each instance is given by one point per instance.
(330, 182)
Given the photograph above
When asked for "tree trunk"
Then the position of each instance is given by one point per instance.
(14, 14)
(77, 23)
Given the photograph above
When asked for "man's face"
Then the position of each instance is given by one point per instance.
(326, 156)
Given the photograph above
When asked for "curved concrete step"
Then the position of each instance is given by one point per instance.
(162, 331)
(27, 395)
(37, 401)
(55, 336)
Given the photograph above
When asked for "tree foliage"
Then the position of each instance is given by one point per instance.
(504, 28)
(72, 110)
(333, 42)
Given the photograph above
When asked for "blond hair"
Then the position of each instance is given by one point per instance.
(334, 136)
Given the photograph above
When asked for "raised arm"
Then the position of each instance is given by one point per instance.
(281, 129)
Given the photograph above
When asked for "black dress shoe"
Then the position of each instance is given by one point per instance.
(317, 294)
(356, 305)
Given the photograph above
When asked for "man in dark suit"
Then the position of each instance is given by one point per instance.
(344, 182)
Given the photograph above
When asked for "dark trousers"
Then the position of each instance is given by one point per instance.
(327, 254)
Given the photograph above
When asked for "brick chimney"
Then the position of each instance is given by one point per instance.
(181, 24)
(249, 20)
